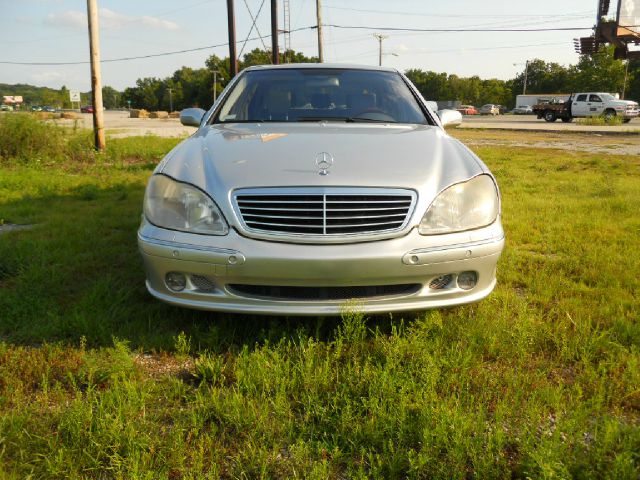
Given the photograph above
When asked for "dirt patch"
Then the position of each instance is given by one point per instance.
(164, 365)
(592, 142)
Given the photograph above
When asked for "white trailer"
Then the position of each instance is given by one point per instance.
(536, 98)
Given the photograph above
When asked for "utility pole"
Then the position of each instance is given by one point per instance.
(275, 55)
(231, 17)
(170, 99)
(96, 81)
(319, 21)
(380, 37)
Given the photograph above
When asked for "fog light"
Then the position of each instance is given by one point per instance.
(440, 282)
(467, 280)
(175, 281)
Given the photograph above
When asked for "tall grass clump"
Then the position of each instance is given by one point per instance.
(600, 121)
(26, 139)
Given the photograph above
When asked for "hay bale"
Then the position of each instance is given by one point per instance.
(159, 114)
(174, 115)
(45, 115)
(138, 113)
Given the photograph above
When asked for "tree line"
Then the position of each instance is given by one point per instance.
(189, 87)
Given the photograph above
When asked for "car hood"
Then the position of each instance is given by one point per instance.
(625, 103)
(222, 158)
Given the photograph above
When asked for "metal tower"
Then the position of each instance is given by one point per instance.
(286, 29)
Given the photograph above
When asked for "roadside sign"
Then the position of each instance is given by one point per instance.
(74, 96)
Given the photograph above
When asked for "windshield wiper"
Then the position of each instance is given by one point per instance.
(343, 119)
(369, 120)
(322, 119)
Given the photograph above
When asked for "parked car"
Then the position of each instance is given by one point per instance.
(86, 109)
(309, 185)
(467, 110)
(36, 108)
(48, 108)
(523, 110)
(489, 109)
(6, 108)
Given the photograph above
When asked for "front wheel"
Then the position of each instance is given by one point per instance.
(550, 116)
(609, 115)
(567, 119)
(626, 120)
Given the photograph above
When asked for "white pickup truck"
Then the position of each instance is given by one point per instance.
(589, 104)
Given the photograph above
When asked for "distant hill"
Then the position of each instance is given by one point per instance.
(33, 95)
(58, 98)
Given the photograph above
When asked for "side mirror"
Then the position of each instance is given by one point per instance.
(191, 117)
(450, 117)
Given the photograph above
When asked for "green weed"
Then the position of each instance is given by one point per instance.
(600, 121)
(539, 380)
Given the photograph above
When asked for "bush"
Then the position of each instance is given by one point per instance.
(24, 138)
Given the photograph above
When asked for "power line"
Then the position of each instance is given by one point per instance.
(476, 49)
(312, 27)
(437, 15)
(151, 55)
(460, 30)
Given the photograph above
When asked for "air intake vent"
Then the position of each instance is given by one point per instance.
(325, 212)
(322, 293)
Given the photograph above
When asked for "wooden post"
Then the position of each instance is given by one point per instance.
(231, 17)
(96, 78)
(275, 54)
(319, 21)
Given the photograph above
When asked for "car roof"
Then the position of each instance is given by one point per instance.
(328, 66)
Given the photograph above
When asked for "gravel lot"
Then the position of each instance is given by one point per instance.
(530, 122)
(118, 124)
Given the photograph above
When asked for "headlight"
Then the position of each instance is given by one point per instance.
(464, 206)
(179, 206)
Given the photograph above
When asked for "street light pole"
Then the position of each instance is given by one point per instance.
(626, 73)
(380, 37)
(526, 72)
(215, 84)
(170, 100)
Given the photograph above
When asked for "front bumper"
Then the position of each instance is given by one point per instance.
(232, 260)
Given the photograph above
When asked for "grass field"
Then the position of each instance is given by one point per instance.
(100, 381)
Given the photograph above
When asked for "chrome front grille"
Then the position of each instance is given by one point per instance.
(324, 211)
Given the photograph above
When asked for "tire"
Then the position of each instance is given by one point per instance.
(609, 114)
(567, 119)
(550, 116)
(626, 120)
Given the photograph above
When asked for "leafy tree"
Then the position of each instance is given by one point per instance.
(599, 72)
(110, 97)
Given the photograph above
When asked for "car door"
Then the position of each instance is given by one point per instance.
(579, 107)
(595, 104)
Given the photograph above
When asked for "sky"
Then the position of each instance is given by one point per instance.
(56, 31)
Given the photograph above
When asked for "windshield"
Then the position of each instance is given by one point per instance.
(321, 94)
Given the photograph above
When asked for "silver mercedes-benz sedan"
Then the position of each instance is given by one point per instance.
(308, 187)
